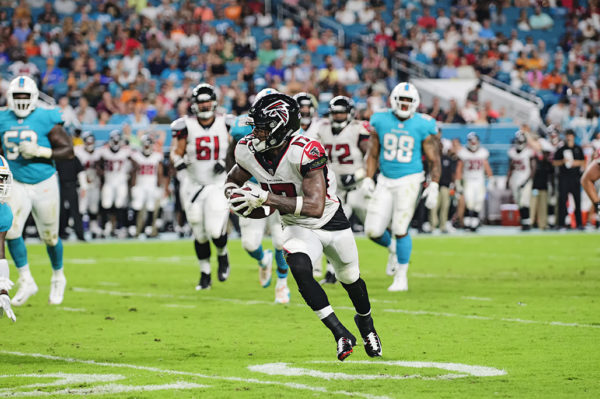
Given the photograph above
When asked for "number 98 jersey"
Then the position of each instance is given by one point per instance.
(204, 147)
(400, 142)
(35, 128)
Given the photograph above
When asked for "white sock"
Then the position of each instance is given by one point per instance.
(323, 313)
(281, 281)
(58, 273)
(204, 266)
(392, 247)
(222, 251)
(402, 269)
(24, 272)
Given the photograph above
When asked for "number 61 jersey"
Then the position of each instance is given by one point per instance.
(285, 176)
(205, 146)
(35, 128)
(400, 142)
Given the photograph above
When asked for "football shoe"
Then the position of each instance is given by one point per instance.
(57, 289)
(204, 283)
(282, 292)
(344, 346)
(369, 335)
(27, 288)
(223, 271)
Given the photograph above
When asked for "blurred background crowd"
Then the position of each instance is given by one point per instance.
(133, 63)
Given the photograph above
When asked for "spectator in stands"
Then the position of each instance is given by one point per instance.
(523, 21)
(442, 21)
(328, 76)
(348, 74)
(448, 71)
(436, 111)
(366, 16)
(558, 113)
(288, 31)
(138, 119)
(345, 16)
(276, 69)
(52, 75)
(570, 160)
(540, 20)
(85, 113)
(464, 70)
(65, 7)
(266, 54)
(426, 20)
(172, 73)
(107, 104)
(48, 15)
(486, 31)
(453, 115)
(24, 67)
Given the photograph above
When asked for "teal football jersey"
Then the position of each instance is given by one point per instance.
(400, 151)
(6, 217)
(35, 127)
(239, 128)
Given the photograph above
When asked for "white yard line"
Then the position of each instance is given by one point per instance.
(410, 312)
(303, 387)
(66, 309)
(475, 298)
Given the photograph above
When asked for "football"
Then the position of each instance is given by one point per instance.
(258, 213)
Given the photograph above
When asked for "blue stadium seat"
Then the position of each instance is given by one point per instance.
(39, 62)
(224, 80)
(326, 50)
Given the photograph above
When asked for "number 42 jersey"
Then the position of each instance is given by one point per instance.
(400, 142)
(35, 128)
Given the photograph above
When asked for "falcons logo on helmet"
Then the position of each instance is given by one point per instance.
(280, 109)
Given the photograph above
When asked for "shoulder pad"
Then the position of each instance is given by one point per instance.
(178, 124)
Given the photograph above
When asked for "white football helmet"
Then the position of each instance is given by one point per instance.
(27, 91)
(405, 100)
(5, 179)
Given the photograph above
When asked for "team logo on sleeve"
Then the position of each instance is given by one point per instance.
(278, 109)
(314, 150)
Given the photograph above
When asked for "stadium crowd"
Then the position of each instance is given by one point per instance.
(134, 63)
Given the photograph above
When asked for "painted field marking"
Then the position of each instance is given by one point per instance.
(404, 311)
(109, 283)
(176, 305)
(465, 370)
(191, 374)
(475, 298)
(67, 309)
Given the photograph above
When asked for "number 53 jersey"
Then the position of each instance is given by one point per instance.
(400, 142)
(35, 128)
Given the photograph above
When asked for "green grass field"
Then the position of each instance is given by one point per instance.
(524, 308)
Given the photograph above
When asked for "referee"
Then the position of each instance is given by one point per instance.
(569, 158)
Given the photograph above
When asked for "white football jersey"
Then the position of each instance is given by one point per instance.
(147, 172)
(521, 165)
(473, 163)
(343, 151)
(301, 156)
(88, 161)
(116, 164)
(312, 129)
(204, 148)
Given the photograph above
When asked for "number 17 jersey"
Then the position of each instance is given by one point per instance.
(400, 150)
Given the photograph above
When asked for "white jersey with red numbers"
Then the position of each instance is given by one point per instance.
(521, 165)
(285, 177)
(204, 148)
(147, 171)
(88, 161)
(473, 163)
(115, 164)
(343, 149)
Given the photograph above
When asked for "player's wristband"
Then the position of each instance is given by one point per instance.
(299, 203)
(44, 152)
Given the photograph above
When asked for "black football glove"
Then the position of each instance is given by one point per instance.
(348, 180)
(219, 168)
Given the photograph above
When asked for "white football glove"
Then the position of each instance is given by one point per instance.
(253, 198)
(368, 187)
(5, 307)
(29, 149)
(431, 195)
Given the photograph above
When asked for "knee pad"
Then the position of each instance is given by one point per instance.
(221, 241)
(250, 242)
(202, 249)
(48, 238)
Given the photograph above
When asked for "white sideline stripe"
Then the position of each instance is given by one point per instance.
(475, 298)
(477, 317)
(67, 309)
(187, 373)
(62, 379)
(108, 389)
(411, 312)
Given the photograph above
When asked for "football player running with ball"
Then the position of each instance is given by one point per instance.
(399, 136)
(32, 137)
(294, 179)
(6, 219)
(253, 230)
(200, 143)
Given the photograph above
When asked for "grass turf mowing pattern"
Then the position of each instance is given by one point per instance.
(473, 300)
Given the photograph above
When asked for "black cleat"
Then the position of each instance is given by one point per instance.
(204, 283)
(344, 346)
(369, 335)
(329, 278)
(223, 271)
